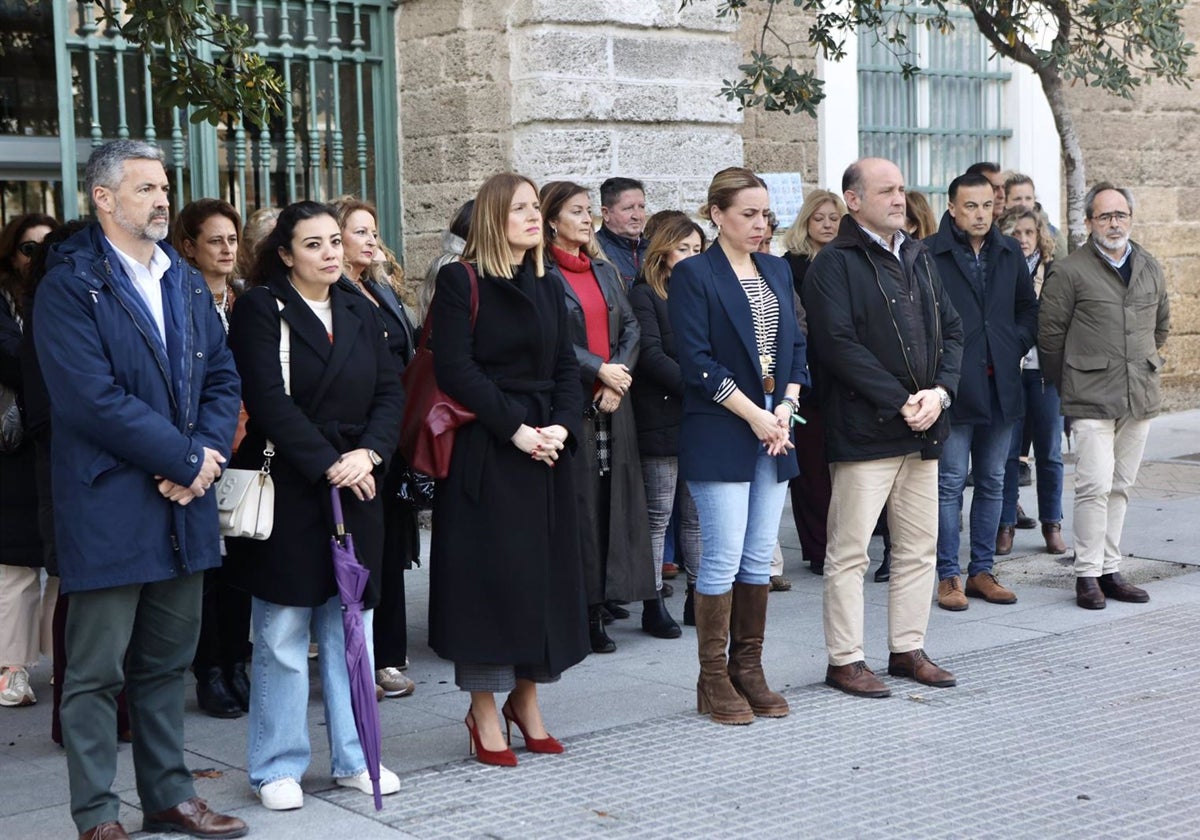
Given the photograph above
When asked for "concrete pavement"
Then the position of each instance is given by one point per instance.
(1065, 723)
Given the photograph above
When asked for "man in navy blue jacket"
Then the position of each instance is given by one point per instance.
(986, 278)
(144, 400)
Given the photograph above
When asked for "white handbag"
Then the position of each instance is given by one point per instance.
(246, 498)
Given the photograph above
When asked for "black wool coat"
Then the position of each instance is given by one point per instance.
(505, 579)
(344, 395)
(657, 391)
(19, 537)
(626, 572)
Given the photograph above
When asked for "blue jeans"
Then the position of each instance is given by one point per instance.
(739, 526)
(1044, 423)
(986, 449)
(278, 731)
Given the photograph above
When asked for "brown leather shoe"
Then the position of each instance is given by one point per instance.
(1004, 539)
(950, 594)
(193, 817)
(715, 694)
(916, 665)
(1116, 587)
(111, 830)
(984, 585)
(1052, 533)
(857, 679)
(1088, 594)
(747, 625)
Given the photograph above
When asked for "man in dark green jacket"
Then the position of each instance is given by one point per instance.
(1104, 319)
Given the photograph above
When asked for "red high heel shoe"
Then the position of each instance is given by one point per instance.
(548, 744)
(500, 758)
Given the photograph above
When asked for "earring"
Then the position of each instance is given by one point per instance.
(553, 232)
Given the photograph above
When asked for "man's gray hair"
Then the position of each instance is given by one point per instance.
(1089, 200)
(106, 166)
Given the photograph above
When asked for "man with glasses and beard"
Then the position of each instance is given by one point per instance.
(143, 402)
(1104, 319)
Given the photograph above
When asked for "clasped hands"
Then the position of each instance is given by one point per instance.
(922, 409)
(773, 429)
(541, 443)
(354, 469)
(210, 471)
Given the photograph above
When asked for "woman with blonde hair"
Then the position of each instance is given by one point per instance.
(741, 354)
(506, 594)
(363, 276)
(1043, 424)
(657, 395)
(814, 228)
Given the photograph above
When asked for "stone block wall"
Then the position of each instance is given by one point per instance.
(1151, 145)
(554, 89)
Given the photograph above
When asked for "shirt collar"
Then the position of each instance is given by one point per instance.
(159, 261)
(1110, 260)
(892, 247)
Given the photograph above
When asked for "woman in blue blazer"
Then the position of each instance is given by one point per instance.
(742, 356)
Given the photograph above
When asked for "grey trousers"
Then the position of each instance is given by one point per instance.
(141, 636)
(476, 676)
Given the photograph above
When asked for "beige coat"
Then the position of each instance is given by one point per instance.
(1099, 340)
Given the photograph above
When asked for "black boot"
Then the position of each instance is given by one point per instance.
(689, 606)
(657, 621)
(239, 684)
(601, 643)
(214, 696)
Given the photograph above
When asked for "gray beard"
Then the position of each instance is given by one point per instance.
(154, 230)
(1115, 244)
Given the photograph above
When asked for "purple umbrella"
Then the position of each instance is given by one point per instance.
(351, 580)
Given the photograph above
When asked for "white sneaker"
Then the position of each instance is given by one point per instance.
(14, 688)
(281, 795)
(389, 782)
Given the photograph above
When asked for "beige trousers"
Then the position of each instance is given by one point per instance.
(1110, 452)
(777, 561)
(909, 488)
(26, 615)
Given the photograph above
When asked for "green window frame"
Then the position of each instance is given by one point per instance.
(950, 115)
(335, 136)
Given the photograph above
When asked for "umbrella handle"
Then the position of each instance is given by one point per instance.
(339, 520)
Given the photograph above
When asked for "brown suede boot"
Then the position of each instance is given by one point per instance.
(715, 694)
(747, 625)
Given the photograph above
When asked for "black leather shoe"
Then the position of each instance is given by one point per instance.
(884, 573)
(601, 643)
(1116, 587)
(1025, 523)
(239, 684)
(668, 590)
(657, 621)
(214, 696)
(1088, 594)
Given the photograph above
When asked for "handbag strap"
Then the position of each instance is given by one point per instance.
(285, 364)
(427, 327)
(339, 520)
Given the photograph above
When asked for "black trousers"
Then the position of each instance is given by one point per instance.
(224, 623)
(401, 548)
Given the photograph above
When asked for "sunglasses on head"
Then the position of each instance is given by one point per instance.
(27, 247)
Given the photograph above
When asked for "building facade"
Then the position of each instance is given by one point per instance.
(412, 103)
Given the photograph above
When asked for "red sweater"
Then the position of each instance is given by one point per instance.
(578, 271)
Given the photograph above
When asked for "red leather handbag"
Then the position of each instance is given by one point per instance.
(430, 416)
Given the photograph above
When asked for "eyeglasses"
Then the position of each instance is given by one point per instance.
(1105, 218)
(27, 248)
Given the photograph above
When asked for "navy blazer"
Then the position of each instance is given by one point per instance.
(714, 331)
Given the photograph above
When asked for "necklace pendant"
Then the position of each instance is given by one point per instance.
(765, 360)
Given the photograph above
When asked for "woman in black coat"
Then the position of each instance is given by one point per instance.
(506, 598)
(657, 394)
(334, 421)
(401, 539)
(615, 537)
(21, 599)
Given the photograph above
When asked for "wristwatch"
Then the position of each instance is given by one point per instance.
(945, 395)
(377, 459)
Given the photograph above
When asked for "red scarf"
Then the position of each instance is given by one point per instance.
(579, 274)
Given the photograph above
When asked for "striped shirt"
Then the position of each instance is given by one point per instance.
(764, 309)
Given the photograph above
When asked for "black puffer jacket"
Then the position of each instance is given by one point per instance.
(657, 383)
(865, 349)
